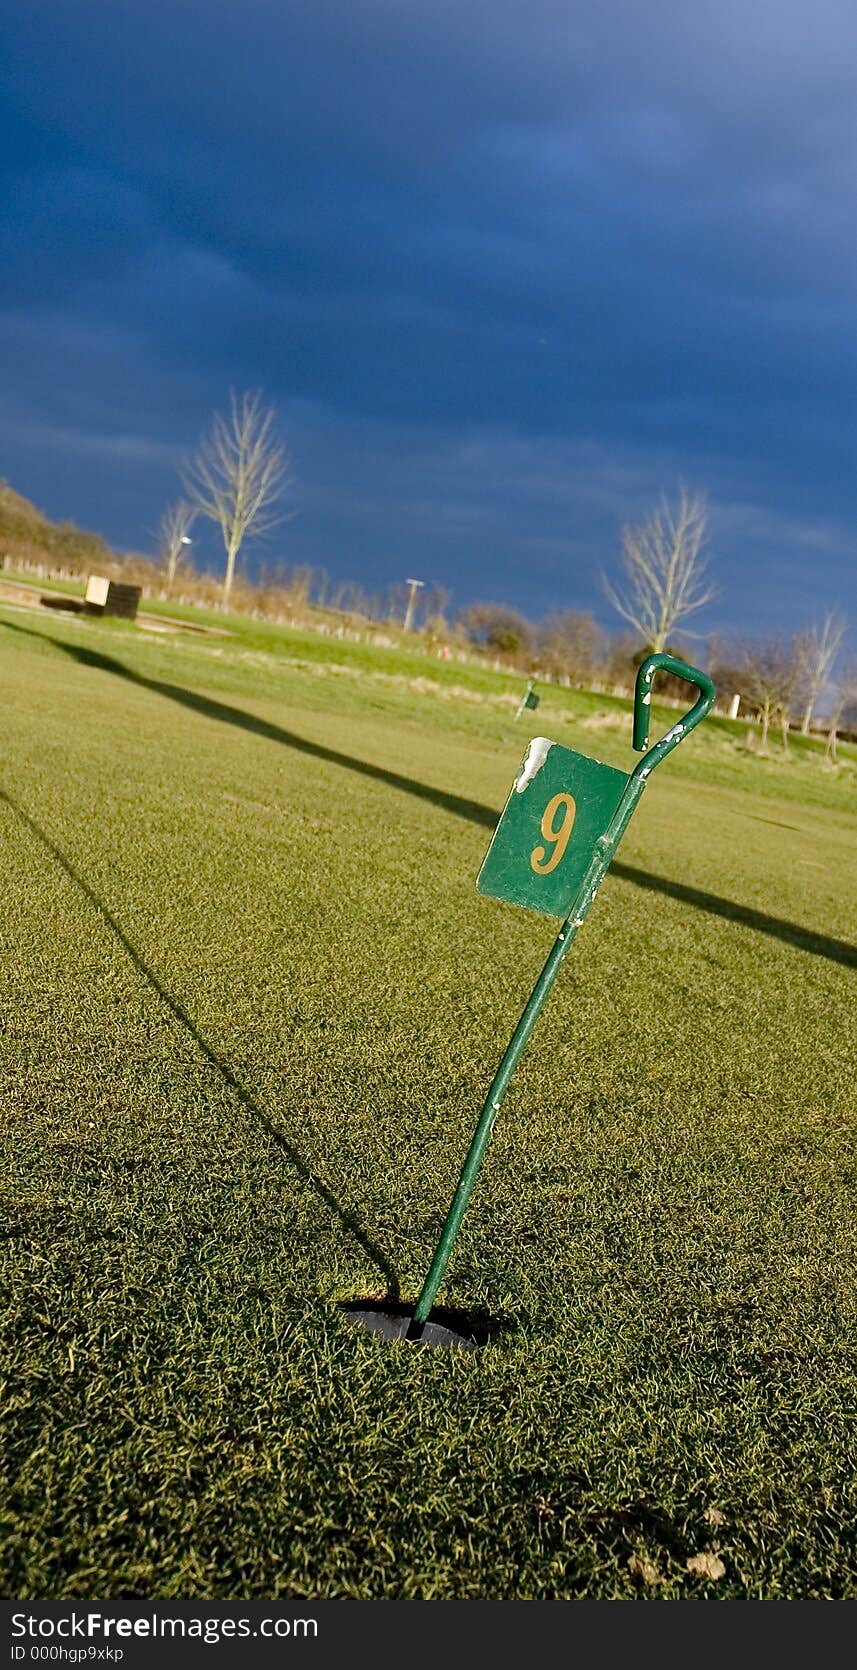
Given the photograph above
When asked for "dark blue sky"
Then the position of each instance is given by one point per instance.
(508, 270)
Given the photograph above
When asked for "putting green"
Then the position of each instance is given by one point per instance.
(252, 1001)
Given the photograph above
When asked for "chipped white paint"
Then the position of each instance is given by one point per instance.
(647, 698)
(537, 753)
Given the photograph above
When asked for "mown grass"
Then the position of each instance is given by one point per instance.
(251, 1003)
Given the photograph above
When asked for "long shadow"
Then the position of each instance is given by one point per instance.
(211, 709)
(791, 933)
(304, 1171)
(821, 945)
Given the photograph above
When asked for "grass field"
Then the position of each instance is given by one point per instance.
(251, 1003)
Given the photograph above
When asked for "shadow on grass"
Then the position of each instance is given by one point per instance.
(208, 708)
(304, 1171)
(821, 945)
(804, 939)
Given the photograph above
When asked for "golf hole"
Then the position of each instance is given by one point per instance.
(447, 1329)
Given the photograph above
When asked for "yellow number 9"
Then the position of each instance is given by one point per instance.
(555, 832)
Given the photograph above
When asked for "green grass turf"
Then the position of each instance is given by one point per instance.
(251, 1002)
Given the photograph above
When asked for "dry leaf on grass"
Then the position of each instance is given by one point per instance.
(713, 1516)
(641, 1566)
(706, 1565)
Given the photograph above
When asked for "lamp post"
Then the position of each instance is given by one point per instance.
(174, 554)
(412, 598)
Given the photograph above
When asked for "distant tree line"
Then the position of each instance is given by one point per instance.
(782, 680)
(240, 474)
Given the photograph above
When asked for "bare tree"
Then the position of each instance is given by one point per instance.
(619, 667)
(174, 536)
(726, 669)
(664, 570)
(395, 603)
(571, 646)
(438, 599)
(238, 474)
(790, 682)
(299, 582)
(349, 598)
(820, 648)
(844, 707)
(767, 673)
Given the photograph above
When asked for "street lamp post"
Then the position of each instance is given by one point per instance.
(174, 556)
(412, 598)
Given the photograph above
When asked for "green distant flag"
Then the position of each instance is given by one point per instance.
(529, 699)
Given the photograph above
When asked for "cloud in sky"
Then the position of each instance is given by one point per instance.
(507, 270)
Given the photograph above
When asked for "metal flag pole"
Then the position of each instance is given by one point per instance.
(599, 862)
(529, 699)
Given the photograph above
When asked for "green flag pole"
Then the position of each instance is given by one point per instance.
(529, 699)
(602, 856)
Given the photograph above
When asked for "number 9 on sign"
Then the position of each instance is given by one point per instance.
(559, 806)
(556, 826)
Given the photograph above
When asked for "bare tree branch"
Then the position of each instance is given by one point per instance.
(238, 474)
(820, 648)
(664, 570)
(768, 671)
(845, 705)
(571, 646)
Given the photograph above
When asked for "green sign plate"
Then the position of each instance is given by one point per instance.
(560, 803)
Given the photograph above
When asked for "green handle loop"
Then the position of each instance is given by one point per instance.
(643, 695)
